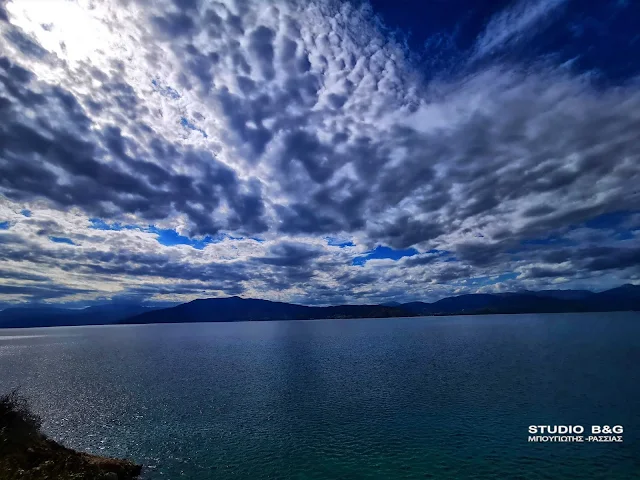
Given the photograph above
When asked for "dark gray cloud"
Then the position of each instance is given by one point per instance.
(173, 25)
(41, 291)
(18, 276)
(261, 45)
(291, 255)
(47, 137)
(23, 42)
(4, 16)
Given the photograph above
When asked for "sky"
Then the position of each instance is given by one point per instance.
(317, 151)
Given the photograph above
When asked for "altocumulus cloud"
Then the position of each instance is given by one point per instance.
(257, 131)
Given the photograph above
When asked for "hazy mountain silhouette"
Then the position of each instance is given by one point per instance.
(49, 316)
(626, 297)
(236, 309)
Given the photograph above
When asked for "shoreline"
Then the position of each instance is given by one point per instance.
(43, 458)
(28, 454)
(433, 315)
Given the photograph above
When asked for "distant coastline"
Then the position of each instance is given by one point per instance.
(236, 309)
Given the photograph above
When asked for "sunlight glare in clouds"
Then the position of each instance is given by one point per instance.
(63, 27)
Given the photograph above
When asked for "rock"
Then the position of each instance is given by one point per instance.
(27, 454)
(45, 459)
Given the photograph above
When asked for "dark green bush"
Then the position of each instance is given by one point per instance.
(17, 421)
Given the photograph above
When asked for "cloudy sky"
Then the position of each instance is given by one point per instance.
(316, 151)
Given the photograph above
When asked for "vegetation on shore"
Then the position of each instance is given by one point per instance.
(27, 454)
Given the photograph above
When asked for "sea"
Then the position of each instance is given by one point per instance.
(395, 398)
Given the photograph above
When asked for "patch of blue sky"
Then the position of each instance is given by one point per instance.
(167, 236)
(610, 220)
(66, 240)
(439, 252)
(191, 126)
(620, 223)
(625, 235)
(25, 212)
(550, 240)
(490, 280)
(337, 242)
(99, 224)
(505, 276)
(165, 91)
(5, 225)
(170, 237)
(623, 223)
(384, 252)
(446, 254)
(593, 37)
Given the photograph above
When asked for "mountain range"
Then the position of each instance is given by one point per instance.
(51, 316)
(236, 309)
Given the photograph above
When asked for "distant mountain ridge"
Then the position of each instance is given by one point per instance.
(236, 309)
(626, 297)
(50, 316)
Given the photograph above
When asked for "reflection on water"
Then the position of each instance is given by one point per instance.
(19, 337)
(384, 398)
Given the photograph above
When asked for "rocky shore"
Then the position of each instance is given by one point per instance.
(27, 454)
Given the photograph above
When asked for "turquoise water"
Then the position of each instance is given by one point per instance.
(410, 398)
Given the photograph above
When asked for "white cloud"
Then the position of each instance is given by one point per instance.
(516, 24)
